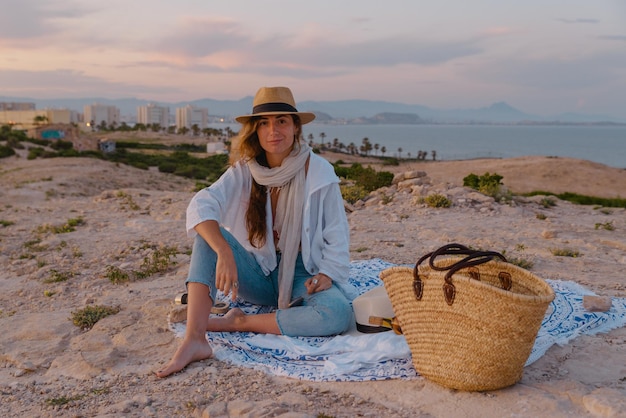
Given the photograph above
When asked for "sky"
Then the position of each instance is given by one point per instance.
(543, 57)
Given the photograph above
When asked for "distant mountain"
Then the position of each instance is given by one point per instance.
(497, 112)
(581, 118)
(341, 111)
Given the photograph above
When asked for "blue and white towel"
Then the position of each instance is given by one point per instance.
(360, 357)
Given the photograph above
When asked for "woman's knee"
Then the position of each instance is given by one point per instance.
(337, 315)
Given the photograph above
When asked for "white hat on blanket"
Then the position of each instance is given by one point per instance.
(374, 302)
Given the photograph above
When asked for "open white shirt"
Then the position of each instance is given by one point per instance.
(325, 231)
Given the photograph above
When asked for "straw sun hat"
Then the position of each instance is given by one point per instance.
(275, 101)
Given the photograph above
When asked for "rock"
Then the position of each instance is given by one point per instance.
(548, 234)
(419, 190)
(397, 178)
(177, 314)
(292, 398)
(597, 303)
(605, 402)
(373, 201)
(409, 183)
(407, 175)
(215, 410)
(479, 197)
(28, 366)
(240, 407)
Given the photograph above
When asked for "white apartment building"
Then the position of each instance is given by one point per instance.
(153, 114)
(96, 113)
(190, 115)
(26, 119)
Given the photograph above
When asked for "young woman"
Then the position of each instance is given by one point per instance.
(271, 230)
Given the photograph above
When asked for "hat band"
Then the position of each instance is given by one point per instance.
(273, 107)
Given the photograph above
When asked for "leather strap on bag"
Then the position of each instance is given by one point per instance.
(473, 258)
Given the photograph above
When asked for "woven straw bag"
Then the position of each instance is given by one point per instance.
(470, 320)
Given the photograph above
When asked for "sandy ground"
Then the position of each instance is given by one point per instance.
(49, 367)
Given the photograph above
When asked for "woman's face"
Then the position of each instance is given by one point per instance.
(276, 136)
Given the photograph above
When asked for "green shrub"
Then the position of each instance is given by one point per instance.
(564, 252)
(547, 202)
(34, 153)
(69, 226)
(87, 317)
(200, 185)
(367, 178)
(353, 193)
(521, 262)
(116, 275)
(159, 262)
(140, 165)
(167, 167)
(437, 201)
(584, 200)
(606, 225)
(6, 151)
(58, 276)
(61, 145)
(391, 161)
(14, 142)
(488, 184)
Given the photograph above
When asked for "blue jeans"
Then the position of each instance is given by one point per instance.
(323, 313)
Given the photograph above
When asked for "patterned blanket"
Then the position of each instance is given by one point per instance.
(359, 357)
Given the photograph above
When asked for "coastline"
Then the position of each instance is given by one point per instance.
(520, 174)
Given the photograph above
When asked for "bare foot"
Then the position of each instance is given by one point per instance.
(189, 351)
(228, 323)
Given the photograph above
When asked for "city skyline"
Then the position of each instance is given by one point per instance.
(542, 58)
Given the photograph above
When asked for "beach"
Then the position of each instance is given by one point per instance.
(122, 216)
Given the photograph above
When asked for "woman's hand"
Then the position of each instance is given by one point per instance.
(318, 283)
(226, 278)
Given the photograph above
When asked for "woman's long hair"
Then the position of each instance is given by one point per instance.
(246, 146)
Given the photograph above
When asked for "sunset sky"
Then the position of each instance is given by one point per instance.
(542, 57)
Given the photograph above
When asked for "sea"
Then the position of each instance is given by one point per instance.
(605, 144)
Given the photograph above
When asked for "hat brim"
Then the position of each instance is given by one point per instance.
(305, 117)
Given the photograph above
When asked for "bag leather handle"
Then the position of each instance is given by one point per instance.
(449, 249)
(473, 258)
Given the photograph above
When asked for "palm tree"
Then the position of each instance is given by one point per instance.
(376, 146)
(40, 119)
(434, 154)
(399, 152)
(367, 146)
(383, 150)
(229, 132)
